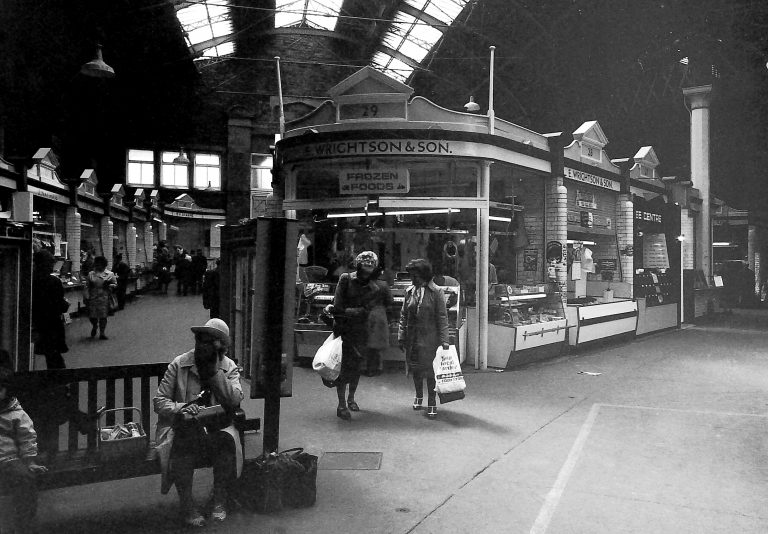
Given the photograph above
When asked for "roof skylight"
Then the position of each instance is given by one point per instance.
(413, 33)
(321, 14)
(207, 28)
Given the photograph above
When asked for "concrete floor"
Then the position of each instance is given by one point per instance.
(669, 438)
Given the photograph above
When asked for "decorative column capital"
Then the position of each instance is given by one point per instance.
(698, 97)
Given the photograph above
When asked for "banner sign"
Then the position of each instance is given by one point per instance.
(384, 180)
(591, 179)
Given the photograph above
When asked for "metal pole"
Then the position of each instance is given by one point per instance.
(483, 246)
(280, 97)
(491, 112)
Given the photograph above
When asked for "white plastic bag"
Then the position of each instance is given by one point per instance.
(448, 371)
(327, 360)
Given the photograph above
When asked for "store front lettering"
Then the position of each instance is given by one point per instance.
(393, 180)
(641, 215)
(587, 178)
(351, 148)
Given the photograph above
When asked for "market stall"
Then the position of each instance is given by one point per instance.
(372, 169)
(599, 303)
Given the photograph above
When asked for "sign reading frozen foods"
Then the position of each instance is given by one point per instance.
(389, 180)
(591, 179)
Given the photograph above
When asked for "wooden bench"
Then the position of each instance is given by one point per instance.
(77, 462)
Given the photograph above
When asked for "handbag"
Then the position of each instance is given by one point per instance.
(270, 482)
(209, 418)
(112, 303)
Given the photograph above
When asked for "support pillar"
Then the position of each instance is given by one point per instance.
(130, 246)
(107, 242)
(556, 212)
(698, 100)
(74, 235)
(625, 227)
(483, 253)
(149, 242)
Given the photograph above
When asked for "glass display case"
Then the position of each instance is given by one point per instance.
(522, 317)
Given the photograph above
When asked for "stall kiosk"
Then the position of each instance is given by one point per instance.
(374, 168)
(599, 303)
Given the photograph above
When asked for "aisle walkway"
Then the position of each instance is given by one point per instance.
(668, 438)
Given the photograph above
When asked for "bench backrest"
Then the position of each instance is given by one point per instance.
(45, 393)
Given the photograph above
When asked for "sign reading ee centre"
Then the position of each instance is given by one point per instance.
(385, 180)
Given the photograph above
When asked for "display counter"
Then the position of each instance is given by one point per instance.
(524, 323)
(657, 307)
(594, 318)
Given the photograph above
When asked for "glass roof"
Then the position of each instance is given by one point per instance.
(413, 33)
(207, 27)
(321, 14)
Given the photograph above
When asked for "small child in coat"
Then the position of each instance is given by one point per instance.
(18, 451)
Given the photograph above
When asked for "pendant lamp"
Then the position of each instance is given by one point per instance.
(96, 68)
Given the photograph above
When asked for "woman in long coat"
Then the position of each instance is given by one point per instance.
(423, 328)
(352, 301)
(98, 287)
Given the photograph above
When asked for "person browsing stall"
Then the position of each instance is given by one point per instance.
(423, 329)
(199, 378)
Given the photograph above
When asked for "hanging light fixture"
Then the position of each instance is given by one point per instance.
(96, 68)
(472, 106)
(181, 159)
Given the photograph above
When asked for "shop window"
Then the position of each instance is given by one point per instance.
(141, 168)
(261, 172)
(173, 174)
(207, 171)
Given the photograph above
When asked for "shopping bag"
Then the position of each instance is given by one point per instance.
(271, 482)
(450, 397)
(448, 376)
(327, 360)
(299, 478)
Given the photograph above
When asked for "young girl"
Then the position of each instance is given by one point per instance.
(18, 451)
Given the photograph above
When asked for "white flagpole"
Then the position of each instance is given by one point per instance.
(491, 113)
(280, 96)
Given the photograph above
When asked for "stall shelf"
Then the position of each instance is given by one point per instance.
(600, 319)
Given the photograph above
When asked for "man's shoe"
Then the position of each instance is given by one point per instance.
(93, 332)
(343, 413)
(432, 412)
(417, 402)
(219, 513)
(352, 405)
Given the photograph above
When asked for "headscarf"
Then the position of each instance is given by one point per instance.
(367, 260)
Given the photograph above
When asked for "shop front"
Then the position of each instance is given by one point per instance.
(599, 303)
(373, 170)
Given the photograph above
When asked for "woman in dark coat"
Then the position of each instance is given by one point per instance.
(378, 326)
(423, 329)
(354, 297)
(48, 303)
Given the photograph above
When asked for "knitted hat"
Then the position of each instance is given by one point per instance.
(367, 260)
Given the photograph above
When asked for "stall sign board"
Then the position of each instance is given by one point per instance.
(586, 199)
(591, 179)
(530, 259)
(655, 252)
(606, 265)
(384, 180)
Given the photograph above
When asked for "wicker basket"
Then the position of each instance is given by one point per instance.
(130, 447)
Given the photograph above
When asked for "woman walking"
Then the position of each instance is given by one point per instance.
(98, 288)
(378, 325)
(423, 328)
(352, 301)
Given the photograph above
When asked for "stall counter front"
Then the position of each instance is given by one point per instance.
(603, 319)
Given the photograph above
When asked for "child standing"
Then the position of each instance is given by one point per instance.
(18, 451)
